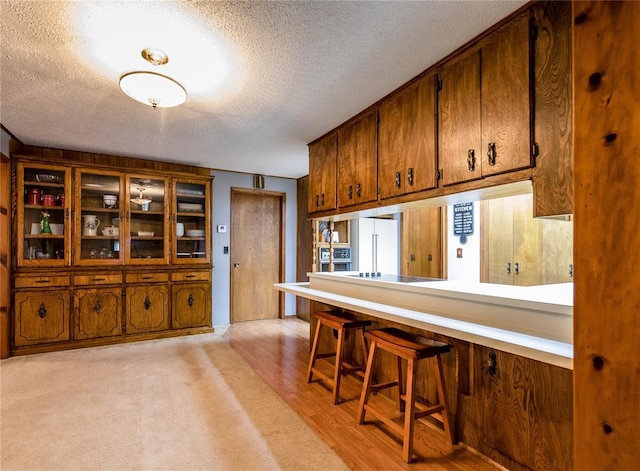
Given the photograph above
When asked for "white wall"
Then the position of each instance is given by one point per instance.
(466, 268)
(222, 184)
(4, 142)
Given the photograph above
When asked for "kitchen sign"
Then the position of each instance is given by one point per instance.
(463, 221)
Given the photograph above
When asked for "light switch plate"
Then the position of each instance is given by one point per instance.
(221, 228)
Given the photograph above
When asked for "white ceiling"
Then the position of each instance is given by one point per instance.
(263, 78)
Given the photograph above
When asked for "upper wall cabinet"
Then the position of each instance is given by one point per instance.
(358, 161)
(322, 173)
(485, 106)
(407, 140)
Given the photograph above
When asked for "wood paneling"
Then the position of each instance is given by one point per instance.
(191, 305)
(553, 173)
(304, 249)
(5, 237)
(147, 308)
(323, 156)
(422, 243)
(97, 313)
(607, 282)
(41, 317)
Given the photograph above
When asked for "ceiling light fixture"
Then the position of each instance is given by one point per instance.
(151, 88)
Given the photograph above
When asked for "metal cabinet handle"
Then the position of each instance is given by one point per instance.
(516, 267)
(350, 192)
(317, 201)
(190, 300)
(322, 199)
(471, 160)
(397, 179)
(509, 267)
(97, 307)
(42, 311)
(147, 277)
(147, 303)
(410, 176)
(358, 190)
(98, 279)
(190, 276)
(491, 153)
(43, 281)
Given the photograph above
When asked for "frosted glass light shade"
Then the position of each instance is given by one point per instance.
(153, 89)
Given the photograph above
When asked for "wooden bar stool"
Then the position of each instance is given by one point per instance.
(412, 348)
(342, 323)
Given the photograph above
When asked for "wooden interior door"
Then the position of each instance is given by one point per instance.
(257, 254)
(422, 243)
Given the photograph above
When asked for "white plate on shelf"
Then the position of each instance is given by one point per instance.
(190, 207)
(145, 234)
(191, 192)
(195, 233)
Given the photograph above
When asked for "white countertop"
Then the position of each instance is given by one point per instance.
(535, 322)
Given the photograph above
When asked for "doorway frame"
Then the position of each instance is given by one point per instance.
(281, 269)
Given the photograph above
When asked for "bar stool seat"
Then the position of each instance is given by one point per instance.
(341, 323)
(411, 347)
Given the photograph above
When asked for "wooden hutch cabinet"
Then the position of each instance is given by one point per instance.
(107, 253)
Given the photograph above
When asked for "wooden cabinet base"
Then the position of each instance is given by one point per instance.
(28, 350)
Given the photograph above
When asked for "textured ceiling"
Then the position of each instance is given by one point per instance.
(263, 78)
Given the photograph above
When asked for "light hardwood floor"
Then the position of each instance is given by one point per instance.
(278, 350)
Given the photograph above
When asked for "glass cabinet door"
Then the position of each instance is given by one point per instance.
(98, 215)
(192, 221)
(148, 241)
(43, 215)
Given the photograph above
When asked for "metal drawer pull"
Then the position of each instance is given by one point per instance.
(190, 276)
(491, 153)
(42, 311)
(410, 176)
(147, 303)
(147, 277)
(98, 279)
(190, 300)
(471, 160)
(397, 179)
(43, 281)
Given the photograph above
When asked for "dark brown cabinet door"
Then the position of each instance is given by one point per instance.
(406, 140)
(147, 308)
(506, 123)
(191, 305)
(322, 173)
(460, 138)
(98, 313)
(41, 317)
(358, 161)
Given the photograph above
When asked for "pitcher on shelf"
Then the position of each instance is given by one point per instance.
(90, 225)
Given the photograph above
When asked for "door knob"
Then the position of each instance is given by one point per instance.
(236, 265)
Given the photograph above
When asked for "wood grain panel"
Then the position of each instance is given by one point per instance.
(606, 86)
(422, 243)
(322, 173)
(191, 305)
(460, 118)
(147, 308)
(505, 97)
(553, 173)
(257, 228)
(406, 141)
(304, 249)
(41, 317)
(358, 160)
(97, 313)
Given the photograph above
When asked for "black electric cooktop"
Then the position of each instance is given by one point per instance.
(394, 278)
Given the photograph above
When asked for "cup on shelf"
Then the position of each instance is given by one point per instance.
(110, 201)
(179, 229)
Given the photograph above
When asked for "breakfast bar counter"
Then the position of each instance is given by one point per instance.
(535, 322)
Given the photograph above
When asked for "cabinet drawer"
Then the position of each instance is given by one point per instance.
(147, 277)
(88, 280)
(42, 281)
(191, 276)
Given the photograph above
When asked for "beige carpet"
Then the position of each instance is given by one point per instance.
(184, 403)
